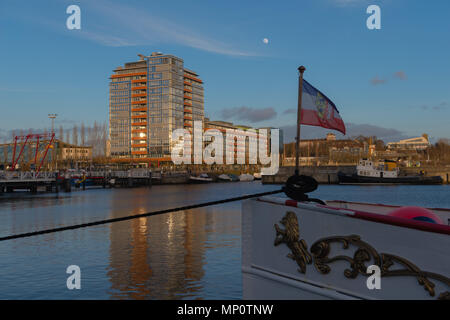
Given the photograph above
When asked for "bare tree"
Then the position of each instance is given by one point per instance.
(83, 134)
(75, 135)
(61, 133)
(5, 152)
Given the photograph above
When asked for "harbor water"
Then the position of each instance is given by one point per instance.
(194, 254)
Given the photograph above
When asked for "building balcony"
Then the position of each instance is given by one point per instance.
(188, 97)
(139, 130)
(192, 78)
(124, 75)
(139, 145)
(139, 138)
(187, 103)
(139, 87)
(139, 102)
(139, 95)
(139, 152)
(139, 123)
(138, 80)
(186, 89)
(139, 116)
(139, 109)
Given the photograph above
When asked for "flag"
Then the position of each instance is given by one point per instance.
(318, 110)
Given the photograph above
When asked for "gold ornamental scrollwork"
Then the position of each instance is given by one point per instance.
(364, 253)
(290, 236)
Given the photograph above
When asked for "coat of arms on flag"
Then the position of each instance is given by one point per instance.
(318, 110)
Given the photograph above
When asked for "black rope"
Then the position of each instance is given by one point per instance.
(148, 214)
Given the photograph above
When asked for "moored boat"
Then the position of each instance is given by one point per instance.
(257, 175)
(246, 177)
(224, 178)
(383, 172)
(202, 178)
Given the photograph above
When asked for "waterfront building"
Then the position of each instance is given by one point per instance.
(65, 154)
(241, 142)
(70, 152)
(417, 144)
(326, 150)
(149, 99)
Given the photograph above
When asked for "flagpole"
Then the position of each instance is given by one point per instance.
(301, 69)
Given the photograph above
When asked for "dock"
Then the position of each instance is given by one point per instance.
(55, 181)
(328, 174)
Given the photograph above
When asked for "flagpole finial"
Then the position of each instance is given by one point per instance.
(301, 69)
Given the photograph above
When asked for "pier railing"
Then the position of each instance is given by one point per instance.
(48, 176)
(26, 175)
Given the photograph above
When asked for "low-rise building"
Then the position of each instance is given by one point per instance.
(69, 152)
(417, 144)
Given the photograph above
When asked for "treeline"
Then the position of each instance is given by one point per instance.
(440, 152)
(94, 136)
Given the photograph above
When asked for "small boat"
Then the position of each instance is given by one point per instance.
(383, 172)
(257, 175)
(234, 178)
(203, 178)
(246, 177)
(225, 177)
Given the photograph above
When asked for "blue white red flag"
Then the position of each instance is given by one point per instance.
(318, 110)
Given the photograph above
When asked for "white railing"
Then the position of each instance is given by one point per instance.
(45, 175)
(26, 175)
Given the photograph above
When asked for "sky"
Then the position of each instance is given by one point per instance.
(393, 82)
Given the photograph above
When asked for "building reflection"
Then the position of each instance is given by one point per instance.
(160, 257)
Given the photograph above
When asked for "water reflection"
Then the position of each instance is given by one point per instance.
(191, 254)
(159, 257)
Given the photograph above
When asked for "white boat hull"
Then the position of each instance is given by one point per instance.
(246, 177)
(268, 272)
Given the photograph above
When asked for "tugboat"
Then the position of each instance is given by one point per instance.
(383, 172)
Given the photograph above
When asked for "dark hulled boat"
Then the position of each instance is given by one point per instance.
(385, 172)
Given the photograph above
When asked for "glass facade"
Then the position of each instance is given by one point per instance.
(148, 100)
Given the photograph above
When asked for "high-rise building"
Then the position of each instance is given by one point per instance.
(149, 99)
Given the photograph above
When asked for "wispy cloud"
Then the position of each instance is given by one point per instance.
(353, 130)
(128, 26)
(24, 90)
(401, 75)
(437, 107)
(290, 111)
(106, 40)
(346, 3)
(377, 81)
(249, 114)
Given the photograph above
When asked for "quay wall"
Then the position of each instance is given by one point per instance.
(328, 174)
(442, 171)
(323, 174)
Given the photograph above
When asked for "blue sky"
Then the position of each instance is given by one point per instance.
(395, 79)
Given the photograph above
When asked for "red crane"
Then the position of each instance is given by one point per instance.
(30, 137)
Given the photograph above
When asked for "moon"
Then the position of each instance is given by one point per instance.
(265, 41)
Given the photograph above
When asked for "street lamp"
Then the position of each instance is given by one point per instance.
(52, 116)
